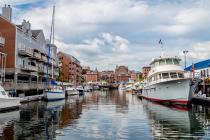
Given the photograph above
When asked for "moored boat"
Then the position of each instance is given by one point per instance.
(7, 102)
(71, 91)
(88, 88)
(53, 91)
(80, 89)
(167, 82)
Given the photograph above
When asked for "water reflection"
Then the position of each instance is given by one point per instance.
(104, 115)
(176, 123)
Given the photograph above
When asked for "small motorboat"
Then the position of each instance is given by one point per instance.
(80, 89)
(7, 102)
(71, 91)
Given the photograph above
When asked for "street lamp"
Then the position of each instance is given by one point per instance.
(185, 55)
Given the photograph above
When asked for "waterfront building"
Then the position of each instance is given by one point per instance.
(70, 69)
(27, 53)
(91, 76)
(202, 70)
(135, 76)
(122, 74)
(108, 76)
(145, 71)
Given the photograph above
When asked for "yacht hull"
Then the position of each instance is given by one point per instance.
(9, 103)
(172, 92)
(72, 92)
(53, 96)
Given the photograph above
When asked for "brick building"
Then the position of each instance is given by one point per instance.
(108, 76)
(145, 71)
(91, 76)
(27, 53)
(122, 74)
(70, 69)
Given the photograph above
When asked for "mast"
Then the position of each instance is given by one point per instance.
(49, 47)
(53, 37)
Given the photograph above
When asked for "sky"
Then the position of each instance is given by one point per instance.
(106, 33)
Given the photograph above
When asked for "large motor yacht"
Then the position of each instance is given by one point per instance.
(167, 82)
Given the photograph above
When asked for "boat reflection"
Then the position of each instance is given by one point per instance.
(172, 122)
(7, 123)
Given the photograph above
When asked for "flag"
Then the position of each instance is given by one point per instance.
(160, 42)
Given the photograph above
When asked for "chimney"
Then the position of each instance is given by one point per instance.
(7, 12)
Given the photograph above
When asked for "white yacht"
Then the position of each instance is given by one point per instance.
(70, 90)
(7, 102)
(80, 89)
(54, 93)
(88, 88)
(167, 82)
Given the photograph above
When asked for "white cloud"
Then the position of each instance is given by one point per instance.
(122, 31)
(201, 51)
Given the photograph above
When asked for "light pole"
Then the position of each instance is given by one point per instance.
(185, 55)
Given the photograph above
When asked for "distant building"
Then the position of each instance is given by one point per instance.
(27, 53)
(122, 74)
(108, 76)
(135, 76)
(91, 76)
(70, 69)
(145, 71)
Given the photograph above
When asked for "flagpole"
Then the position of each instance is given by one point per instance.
(161, 45)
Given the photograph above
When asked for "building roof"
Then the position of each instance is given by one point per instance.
(199, 65)
(35, 33)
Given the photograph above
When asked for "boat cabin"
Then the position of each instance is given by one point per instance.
(165, 75)
(165, 61)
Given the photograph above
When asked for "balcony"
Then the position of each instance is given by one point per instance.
(44, 58)
(2, 41)
(42, 70)
(37, 55)
(29, 68)
(26, 51)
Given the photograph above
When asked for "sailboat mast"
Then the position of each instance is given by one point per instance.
(53, 37)
(49, 47)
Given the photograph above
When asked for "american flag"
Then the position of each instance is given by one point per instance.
(160, 42)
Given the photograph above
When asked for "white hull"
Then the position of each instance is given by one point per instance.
(72, 92)
(9, 103)
(52, 96)
(177, 91)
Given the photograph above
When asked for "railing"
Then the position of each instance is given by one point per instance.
(44, 58)
(29, 68)
(37, 55)
(26, 51)
(22, 85)
(2, 41)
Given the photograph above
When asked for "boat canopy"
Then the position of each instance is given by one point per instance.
(54, 83)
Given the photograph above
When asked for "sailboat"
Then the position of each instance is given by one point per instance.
(53, 91)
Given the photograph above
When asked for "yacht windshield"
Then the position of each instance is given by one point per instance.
(169, 61)
(176, 62)
(162, 62)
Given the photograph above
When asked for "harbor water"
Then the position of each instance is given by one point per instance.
(106, 115)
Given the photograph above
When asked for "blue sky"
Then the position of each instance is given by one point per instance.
(106, 33)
